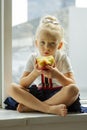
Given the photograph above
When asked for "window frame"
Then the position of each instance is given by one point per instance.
(0, 53)
(5, 47)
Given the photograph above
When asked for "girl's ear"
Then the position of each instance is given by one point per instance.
(60, 45)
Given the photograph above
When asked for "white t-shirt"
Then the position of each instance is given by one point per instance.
(62, 63)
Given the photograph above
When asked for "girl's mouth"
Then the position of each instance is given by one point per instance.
(46, 53)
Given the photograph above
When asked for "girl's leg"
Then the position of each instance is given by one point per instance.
(18, 93)
(70, 94)
(67, 95)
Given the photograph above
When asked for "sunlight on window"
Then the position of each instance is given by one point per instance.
(81, 3)
(19, 11)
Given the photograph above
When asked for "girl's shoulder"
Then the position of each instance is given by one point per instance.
(60, 56)
(63, 62)
(33, 55)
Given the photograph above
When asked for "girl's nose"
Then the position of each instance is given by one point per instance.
(47, 46)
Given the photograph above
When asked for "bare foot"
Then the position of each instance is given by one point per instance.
(22, 108)
(59, 110)
(56, 109)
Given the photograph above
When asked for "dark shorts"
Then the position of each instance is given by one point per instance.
(44, 94)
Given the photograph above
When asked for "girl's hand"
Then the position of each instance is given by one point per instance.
(50, 72)
(37, 71)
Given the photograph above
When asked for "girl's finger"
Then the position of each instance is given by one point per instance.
(48, 67)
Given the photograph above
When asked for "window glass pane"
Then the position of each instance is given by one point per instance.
(81, 3)
(78, 47)
(25, 19)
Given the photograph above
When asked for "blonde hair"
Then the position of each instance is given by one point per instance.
(51, 24)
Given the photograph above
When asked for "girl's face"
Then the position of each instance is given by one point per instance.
(47, 44)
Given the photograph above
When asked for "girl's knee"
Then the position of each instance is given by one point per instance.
(73, 89)
(12, 88)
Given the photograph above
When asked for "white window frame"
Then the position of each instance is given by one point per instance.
(5, 48)
(0, 55)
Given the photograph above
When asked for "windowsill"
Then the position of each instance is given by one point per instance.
(14, 118)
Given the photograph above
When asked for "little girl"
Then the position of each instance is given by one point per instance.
(53, 90)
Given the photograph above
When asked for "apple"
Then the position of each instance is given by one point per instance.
(45, 60)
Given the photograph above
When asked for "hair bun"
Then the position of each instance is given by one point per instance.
(49, 19)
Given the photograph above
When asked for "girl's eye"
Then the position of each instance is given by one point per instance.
(42, 43)
(52, 44)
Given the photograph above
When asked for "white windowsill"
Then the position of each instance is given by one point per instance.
(14, 118)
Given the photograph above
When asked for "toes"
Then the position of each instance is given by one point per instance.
(20, 108)
(63, 110)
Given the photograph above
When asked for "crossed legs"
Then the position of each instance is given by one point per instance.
(57, 104)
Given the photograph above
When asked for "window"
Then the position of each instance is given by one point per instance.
(17, 38)
(77, 46)
(24, 24)
(81, 3)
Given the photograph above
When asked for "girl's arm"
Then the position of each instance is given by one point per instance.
(28, 77)
(64, 79)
